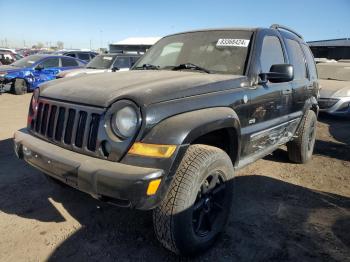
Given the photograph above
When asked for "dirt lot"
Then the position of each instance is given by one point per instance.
(281, 211)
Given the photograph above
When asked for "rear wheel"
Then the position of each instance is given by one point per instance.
(301, 148)
(20, 86)
(197, 205)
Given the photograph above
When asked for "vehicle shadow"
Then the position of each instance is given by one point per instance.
(339, 128)
(270, 220)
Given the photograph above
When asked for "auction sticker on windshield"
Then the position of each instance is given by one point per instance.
(107, 58)
(232, 42)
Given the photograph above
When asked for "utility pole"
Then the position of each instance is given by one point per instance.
(101, 38)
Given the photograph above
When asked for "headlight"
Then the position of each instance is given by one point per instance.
(124, 121)
(2, 74)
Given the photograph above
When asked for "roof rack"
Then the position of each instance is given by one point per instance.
(277, 26)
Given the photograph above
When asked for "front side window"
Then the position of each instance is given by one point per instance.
(50, 63)
(271, 53)
(66, 62)
(296, 57)
(71, 54)
(219, 51)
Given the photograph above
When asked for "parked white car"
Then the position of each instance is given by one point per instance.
(335, 87)
(104, 63)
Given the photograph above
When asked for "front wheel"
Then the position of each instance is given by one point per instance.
(20, 86)
(301, 148)
(197, 205)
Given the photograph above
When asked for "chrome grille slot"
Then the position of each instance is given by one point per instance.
(93, 130)
(60, 124)
(51, 124)
(69, 126)
(81, 129)
(44, 119)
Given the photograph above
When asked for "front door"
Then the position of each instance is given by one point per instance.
(267, 101)
(49, 67)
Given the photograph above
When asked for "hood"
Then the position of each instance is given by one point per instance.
(75, 72)
(330, 88)
(11, 69)
(143, 87)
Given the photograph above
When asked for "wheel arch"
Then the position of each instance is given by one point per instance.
(210, 126)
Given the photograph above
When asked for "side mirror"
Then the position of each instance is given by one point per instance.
(39, 67)
(115, 69)
(278, 74)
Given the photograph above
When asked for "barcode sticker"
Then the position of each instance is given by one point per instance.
(232, 42)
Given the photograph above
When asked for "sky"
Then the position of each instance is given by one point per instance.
(85, 23)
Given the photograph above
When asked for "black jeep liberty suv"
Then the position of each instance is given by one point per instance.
(169, 134)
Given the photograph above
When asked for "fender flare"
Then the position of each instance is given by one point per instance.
(186, 127)
(311, 103)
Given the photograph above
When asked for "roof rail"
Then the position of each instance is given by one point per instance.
(277, 26)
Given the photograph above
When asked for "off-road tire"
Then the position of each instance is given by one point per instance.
(173, 219)
(301, 148)
(20, 86)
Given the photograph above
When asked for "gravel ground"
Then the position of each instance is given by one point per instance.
(281, 211)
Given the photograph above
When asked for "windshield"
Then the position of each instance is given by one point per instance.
(27, 61)
(334, 71)
(222, 51)
(101, 62)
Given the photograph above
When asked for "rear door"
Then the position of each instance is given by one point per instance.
(300, 83)
(312, 87)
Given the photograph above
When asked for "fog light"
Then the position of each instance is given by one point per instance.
(26, 151)
(153, 187)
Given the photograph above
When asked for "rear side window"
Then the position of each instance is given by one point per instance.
(122, 62)
(133, 60)
(310, 62)
(84, 56)
(296, 58)
(66, 62)
(70, 54)
(271, 53)
(50, 62)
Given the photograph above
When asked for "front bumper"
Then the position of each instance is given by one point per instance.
(340, 107)
(120, 184)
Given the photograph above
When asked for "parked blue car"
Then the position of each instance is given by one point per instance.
(27, 73)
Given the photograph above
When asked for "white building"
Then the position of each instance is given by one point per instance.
(133, 45)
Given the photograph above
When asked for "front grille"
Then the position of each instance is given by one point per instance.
(325, 103)
(68, 125)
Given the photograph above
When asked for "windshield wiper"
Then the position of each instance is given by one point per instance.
(191, 67)
(147, 66)
(91, 67)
